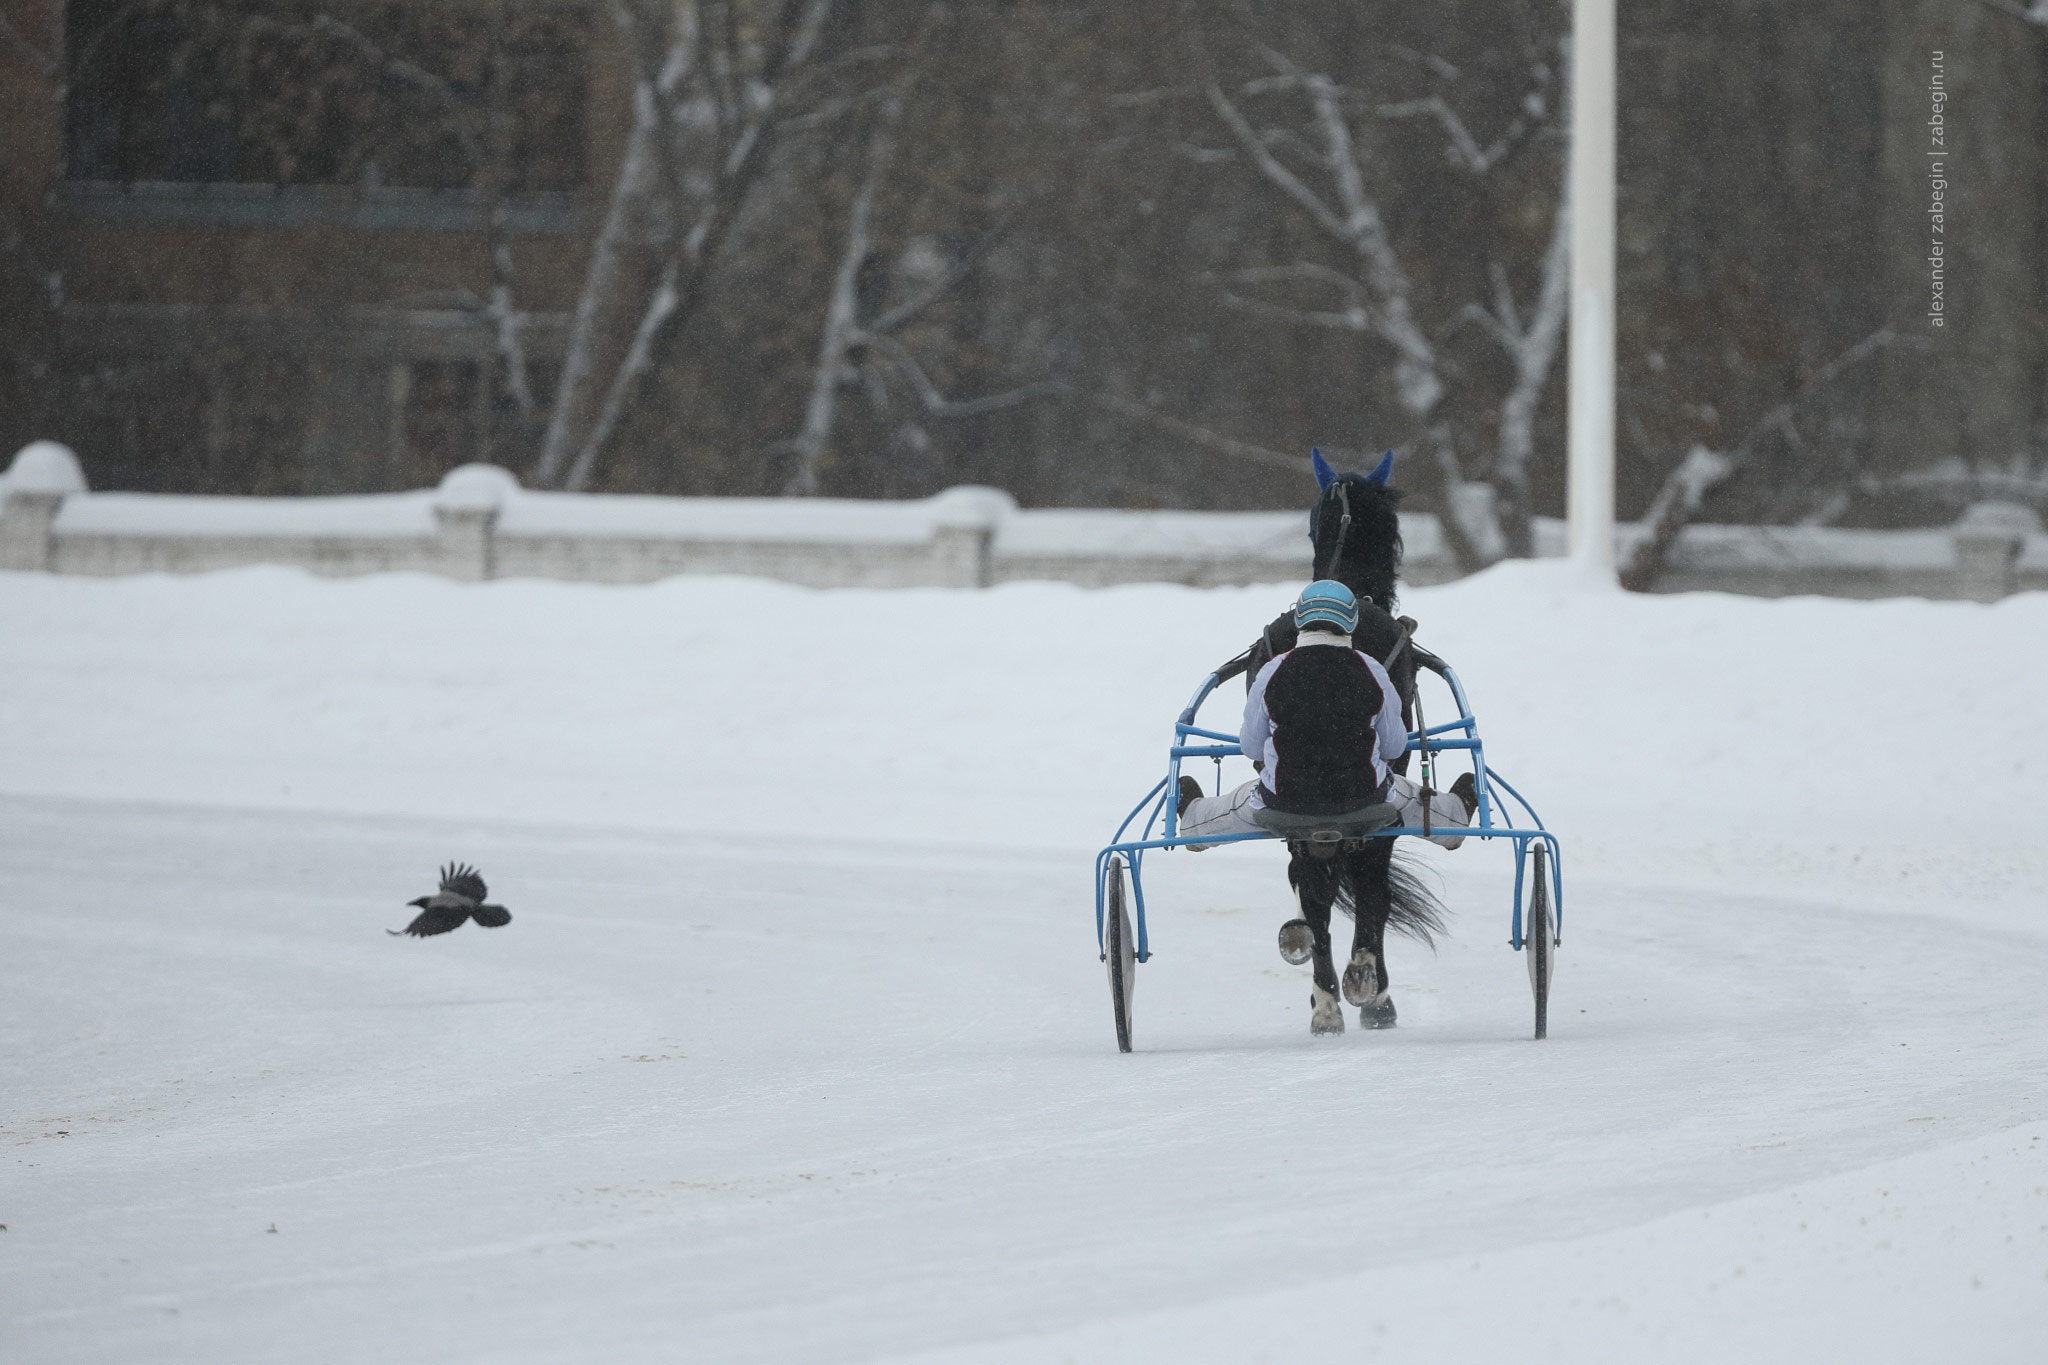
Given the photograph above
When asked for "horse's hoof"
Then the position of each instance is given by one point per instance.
(1361, 977)
(1297, 942)
(1377, 1013)
(1326, 1017)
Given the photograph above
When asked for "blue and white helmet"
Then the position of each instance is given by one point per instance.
(1326, 600)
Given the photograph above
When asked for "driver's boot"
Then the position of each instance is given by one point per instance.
(1466, 790)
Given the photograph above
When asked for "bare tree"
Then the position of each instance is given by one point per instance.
(1382, 300)
(841, 329)
(852, 346)
(1529, 336)
(1531, 343)
(1379, 298)
(1373, 294)
(712, 81)
(1686, 488)
(482, 129)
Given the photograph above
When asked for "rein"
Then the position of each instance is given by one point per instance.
(1405, 626)
(1343, 530)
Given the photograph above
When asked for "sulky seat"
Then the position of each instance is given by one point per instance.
(1327, 829)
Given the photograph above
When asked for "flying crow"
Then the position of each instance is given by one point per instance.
(461, 897)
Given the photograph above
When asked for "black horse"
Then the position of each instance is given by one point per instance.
(1356, 531)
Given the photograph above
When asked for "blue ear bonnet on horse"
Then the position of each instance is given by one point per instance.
(1326, 476)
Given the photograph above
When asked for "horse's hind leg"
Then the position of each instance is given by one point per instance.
(1366, 980)
(1315, 885)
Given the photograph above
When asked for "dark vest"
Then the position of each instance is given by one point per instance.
(1323, 701)
(1376, 635)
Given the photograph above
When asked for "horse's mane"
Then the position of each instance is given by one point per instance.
(1369, 560)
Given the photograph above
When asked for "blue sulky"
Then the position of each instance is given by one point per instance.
(1544, 888)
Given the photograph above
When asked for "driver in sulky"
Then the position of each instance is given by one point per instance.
(1322, 723)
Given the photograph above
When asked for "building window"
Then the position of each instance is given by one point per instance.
(487, 95)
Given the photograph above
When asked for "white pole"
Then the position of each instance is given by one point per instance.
(1590, 485)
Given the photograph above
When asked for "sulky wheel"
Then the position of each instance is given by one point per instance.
(1120, 952)
(1539, 938)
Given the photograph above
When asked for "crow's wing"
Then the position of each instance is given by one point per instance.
(492, 916)
(441, 914)
(463, 880)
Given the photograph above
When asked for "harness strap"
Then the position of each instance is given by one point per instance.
(1395, 653)
(1229, 669)
(1343, 531)
(1422, 745)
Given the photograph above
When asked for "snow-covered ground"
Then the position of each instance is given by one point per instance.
(797, 1048)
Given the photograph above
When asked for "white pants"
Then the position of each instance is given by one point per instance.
(1231, 812)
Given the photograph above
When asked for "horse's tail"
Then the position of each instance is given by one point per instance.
(1413, 906)
(1417, 910)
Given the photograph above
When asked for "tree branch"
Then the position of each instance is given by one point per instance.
(660, 308)
(936, 402)
(1429, 59)
(1685, 489)
(917, 303)
(1533, 348)
(1200, 436)
(1304, 270)
(841, 304)
(652, 184)
(1270, 166)
(1465, 149)
(1354, 319)
(636, 205)
(2035, 14)
(1359, 227)
(463, 120)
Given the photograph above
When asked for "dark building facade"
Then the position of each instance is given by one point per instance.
(275, 241)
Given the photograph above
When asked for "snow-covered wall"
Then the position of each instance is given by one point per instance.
(481, 524)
